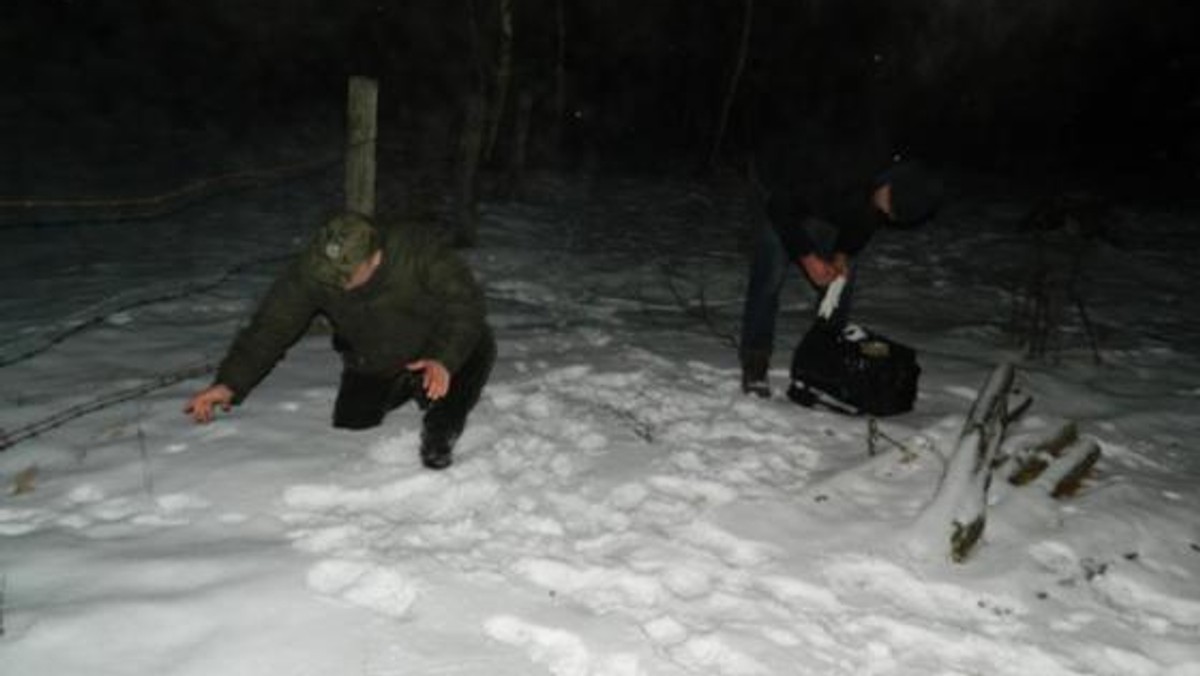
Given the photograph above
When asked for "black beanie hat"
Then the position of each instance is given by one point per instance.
(916, 193)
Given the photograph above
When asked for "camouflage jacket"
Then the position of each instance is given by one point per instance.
(421, 303)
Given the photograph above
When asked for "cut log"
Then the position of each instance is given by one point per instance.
(956, 516)
(1066, 474)
(1030, 461)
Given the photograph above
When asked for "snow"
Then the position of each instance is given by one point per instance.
(617, 506)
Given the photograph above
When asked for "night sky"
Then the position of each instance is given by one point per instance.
(1100, 90)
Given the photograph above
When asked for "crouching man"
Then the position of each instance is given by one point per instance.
(408, 320)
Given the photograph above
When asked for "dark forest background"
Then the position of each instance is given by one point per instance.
(1101, 90)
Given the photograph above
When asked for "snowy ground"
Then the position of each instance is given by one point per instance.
(617, 506)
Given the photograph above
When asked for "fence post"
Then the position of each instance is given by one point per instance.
(361, 133)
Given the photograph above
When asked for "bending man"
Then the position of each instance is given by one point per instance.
(408, 319)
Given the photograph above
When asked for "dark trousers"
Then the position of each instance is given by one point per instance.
(768, 270)
(364, 399)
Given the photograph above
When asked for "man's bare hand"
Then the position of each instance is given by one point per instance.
(435, 377)
(200, 407)
(820, 271)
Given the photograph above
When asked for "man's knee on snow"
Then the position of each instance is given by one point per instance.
(356, 420)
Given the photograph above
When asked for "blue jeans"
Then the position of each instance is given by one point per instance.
(768, 269)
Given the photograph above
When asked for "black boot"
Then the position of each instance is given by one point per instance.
(755, 364)
(446, 418)
(437, 446)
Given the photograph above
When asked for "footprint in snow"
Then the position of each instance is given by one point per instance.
(733, 550)
(601, 588)
(381, 589)
(561, 652)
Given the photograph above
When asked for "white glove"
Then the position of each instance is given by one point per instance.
(833, 297)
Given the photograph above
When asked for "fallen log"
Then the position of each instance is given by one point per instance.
(1029, 462)
(1057, 463)
(957, 514)
(1066, 474)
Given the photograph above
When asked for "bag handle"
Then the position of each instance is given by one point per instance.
(809, 398)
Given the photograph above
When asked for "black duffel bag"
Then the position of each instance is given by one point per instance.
(854, 371)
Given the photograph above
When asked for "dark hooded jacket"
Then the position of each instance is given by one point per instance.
(421, 303)
(823, 173)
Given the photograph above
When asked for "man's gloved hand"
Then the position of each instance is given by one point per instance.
(833, 298)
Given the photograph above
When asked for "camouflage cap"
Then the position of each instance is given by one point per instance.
(341, 245)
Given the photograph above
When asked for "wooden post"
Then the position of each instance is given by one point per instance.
(361, 133)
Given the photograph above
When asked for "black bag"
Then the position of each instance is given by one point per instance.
(854, 371)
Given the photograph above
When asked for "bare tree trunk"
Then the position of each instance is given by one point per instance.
(476, 48)
(560, 74)
(504, 73)
(734, 80)
(470, 143)
(520, 150)
(470, 139)
(361, 108)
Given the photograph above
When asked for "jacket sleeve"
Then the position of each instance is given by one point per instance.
(849, 207)
(282, 316)
(857, 225)
(818, 172)
(461, 320)
(787, 213)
